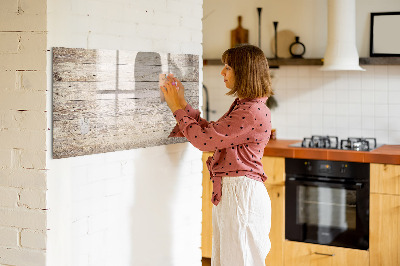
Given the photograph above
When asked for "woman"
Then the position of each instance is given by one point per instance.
(242, 208)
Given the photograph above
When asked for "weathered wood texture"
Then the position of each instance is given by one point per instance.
(109, 100)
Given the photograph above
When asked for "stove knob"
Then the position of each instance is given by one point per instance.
(343, 168)
(308, 166)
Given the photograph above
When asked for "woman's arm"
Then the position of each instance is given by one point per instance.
(239, 127)
(179, 100)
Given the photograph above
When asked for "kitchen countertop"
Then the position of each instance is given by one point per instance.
(389, 154)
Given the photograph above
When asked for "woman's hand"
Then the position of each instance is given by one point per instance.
(181, 92)
(171, 94)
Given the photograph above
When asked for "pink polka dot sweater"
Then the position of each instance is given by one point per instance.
(238, 139)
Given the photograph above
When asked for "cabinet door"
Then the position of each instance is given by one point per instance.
(274, 168)
(385, 178)
(384, 230)
(304, 254)
(206, 225)
(277, 233)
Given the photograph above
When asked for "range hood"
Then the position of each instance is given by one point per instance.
(341, 51)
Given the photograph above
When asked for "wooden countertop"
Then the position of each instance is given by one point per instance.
(389, 154)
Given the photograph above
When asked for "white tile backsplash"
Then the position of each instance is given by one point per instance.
(343, 103)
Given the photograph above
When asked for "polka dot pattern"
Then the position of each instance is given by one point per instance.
(238, 139)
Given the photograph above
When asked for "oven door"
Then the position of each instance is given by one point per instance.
(327, 213)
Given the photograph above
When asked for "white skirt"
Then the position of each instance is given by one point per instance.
(241, 223)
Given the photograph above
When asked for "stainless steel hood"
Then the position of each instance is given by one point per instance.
(341, 51)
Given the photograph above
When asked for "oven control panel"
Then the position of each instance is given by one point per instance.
(338, 169)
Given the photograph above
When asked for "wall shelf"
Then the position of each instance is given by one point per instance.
(274, 63)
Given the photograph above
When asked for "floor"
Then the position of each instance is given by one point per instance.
(206, 261)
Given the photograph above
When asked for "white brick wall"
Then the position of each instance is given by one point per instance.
(137, 207)
(23, 132)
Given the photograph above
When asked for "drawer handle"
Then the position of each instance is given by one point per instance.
(324, 254)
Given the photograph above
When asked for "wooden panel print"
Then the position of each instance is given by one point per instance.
(109, 100)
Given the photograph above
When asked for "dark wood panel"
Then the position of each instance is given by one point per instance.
(105, 100)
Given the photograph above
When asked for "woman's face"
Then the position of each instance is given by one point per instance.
(229, 76)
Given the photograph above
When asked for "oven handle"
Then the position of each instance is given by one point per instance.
(357, 185)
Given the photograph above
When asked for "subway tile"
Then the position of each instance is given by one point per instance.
(329, 109)
(304, 82)
(355, 122)
(316, 83)
(367, 110)
(329, 94)
(380, 71)
(291, 71)
(367, 96)
(355, 132)
(304, 72)
(342, 109)
(367, 83)
(394, 110)
(380, 97)
(315, 72)
(382, 110)
(354, 83)
(394, 83)
(342, 96)
(328, 74)
(394, 97)
(342, 122)
(394, 70)
(381, 123)
(380, 84)
(317, 107)
(292, 82)
(394, 123)
(317, 120)
(382, 136)
(355, 96)
(394, 137)
(355, 109)
(367, 122)
(329, 122)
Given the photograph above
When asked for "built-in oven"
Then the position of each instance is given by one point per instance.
(327, 202)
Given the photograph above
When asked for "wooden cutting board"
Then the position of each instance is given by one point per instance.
(239, 35)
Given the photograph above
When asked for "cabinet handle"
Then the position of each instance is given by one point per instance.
(324, 254)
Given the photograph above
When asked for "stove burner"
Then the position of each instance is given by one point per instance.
(332, 142)
(358, 144)
(328, 142)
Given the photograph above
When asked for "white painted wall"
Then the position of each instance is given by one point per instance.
(136, 207)
(23, 133)
(311, 102)
(305, 18)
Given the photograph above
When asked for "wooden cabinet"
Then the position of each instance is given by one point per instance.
(274, 168)
(385, 178)
(277, 233)
(385, 215)
(304, 254)
(206, 226)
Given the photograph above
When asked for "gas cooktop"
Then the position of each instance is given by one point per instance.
(332, 142)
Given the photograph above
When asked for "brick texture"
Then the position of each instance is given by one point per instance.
(23, 125)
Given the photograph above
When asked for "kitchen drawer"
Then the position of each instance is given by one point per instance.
(305, 254)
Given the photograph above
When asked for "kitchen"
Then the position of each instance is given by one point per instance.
(97, 209)
(313, 104)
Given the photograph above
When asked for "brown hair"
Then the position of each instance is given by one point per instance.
(250, 66)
